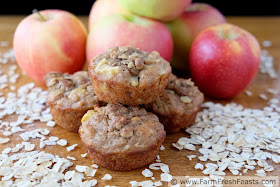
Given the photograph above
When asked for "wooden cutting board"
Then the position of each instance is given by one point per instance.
(264, 28)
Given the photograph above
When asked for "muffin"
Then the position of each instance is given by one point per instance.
(128, 76)
(121, 138)
(69, 98)
(179, 104)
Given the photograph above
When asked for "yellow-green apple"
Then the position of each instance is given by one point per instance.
(129, 30)
(163, 10)
(50, 40)
(102, 8)
(224, 59)
(184, 29)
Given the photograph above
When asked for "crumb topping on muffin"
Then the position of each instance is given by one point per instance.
(179, 86)
(70, 91)
(116, 128)
(131, 65)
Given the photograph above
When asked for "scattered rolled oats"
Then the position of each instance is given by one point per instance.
(94, 166)
(164, 168)
(189, 147)
(62, 142)
(268, 168)
(7, 150)
(15, 149)
(7, 133)
(267, 64)
(158, 158)
(71, 158)
(166, 177)
(190, 157)
(234, 171)
(107, 177)
(199, 166)
(266, 43)
(234, 137)
(90, 172)
(42, 145)
(69, 174)
(4, 43)
(84, 155)
(263, 96)
(147, 173)
(178, 146)
(50, 123)
(4, 140)
(53, 138)
(29, 146)
(48, 142)
(143, 183)
(261, 173)
(272, 91)
(80, 168)
(158, 166)
(72, 147)
(158, 183)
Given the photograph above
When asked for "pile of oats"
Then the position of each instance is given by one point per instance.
(44, 169)
(234, 138)
(28, 105)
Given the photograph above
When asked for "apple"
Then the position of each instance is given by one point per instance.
(163, 10)
(50, 40)
(184, 29)
(224, 60)
(103, 8)
(129, 30)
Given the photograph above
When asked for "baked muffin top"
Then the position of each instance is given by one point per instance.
(180, 96)
(70, 91)
(119, 129)
(131, 66)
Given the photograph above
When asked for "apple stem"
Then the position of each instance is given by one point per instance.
(40, 15)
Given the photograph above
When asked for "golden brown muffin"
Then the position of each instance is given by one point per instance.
(128, 76)
(177, 107)
(69, 98)
(121, 138)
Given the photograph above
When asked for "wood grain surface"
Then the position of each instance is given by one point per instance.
(264, 28)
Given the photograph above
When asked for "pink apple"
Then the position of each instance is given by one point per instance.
(103, 8)
(163, 10)
(196, 17)
(129, 30)
(224, 59)
(51, 40)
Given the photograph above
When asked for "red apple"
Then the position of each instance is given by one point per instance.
(184, 29)
(163, 10)
(50, 40)
(103, 8)
(224, 59)
(129, 30)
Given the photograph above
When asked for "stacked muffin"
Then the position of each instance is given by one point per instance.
(120, 132)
